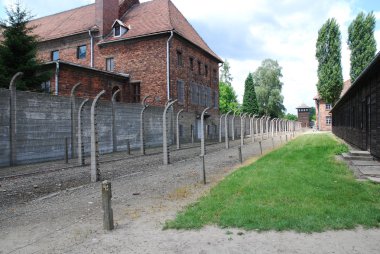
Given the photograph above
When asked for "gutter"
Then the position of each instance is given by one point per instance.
(168, 65)
(92, 49)
(56, 77)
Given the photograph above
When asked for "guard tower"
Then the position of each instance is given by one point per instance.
(303, 115)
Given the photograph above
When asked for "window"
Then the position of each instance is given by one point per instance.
(216, 99)
(180, 92)
(55, 55)
(136, 92)
(328, 120)
(194, 94)
(81, 52)
(179, 59)
(110, 64)
(328, 106)
(206, 70)
(191, 60)
(199, 68)
(45, 86)
(117, 30)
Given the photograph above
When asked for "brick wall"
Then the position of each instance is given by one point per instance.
(321, 113)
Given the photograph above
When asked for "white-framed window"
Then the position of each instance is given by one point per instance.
(328, 106)
(181, 91)
(110, 64)
(117, 30)
(328, 120)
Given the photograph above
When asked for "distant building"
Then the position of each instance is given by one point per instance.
(304, 115)
(322, 110)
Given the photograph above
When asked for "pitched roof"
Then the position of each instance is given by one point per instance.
(75, 21)
(303, 105)
(159, 16)
(144, 19)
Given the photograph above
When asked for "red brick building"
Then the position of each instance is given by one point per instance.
(322, 110)
(130, 44)
(304, 115)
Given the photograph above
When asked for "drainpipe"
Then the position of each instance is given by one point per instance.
(91, 48)
(168, 65)
(56, 77)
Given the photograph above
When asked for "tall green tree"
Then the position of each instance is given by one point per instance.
(249, 100)
(18, 51)
(266, 80)
(362, 43)
(312, 115)
(328, 54)
(291, 117)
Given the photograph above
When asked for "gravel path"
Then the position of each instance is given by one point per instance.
(62, 211)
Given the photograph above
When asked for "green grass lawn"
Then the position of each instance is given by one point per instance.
(298, 187)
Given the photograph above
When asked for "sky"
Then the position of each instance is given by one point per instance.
(245, 32)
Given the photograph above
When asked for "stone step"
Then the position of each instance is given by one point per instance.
(360, 153)
(348, 156)
(374, 179)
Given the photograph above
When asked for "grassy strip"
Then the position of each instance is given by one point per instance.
(298, 187)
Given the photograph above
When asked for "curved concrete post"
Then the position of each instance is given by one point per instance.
(165, 135)
(233, 126)
(73, 118)
(253, 131)
(203, 152)
(114, 137)
(267, 126)
(242, 128)
(80, 133)
(262, 127)
(256, 132)
(95, 171)
(145, 105)
(220, 128)
(273, 121)
(226, 130)
(12, 116)
(177, 129)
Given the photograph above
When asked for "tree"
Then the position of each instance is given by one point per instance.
(362, 43)
(225, 75)
(312, 115)
(18, 51)
(227, 98)
(266, 80)
(328, 54)
(291, 117)
(249, 100)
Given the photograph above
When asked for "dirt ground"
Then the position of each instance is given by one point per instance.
(66, 217)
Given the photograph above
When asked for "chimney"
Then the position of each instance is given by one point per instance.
(106, 12)
(126, 5)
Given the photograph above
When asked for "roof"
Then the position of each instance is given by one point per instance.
(144, 19)
(163, 18)
(303, 105)
(109, 73)
(75, 21)
(346, 86)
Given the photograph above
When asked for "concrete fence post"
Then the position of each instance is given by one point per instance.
(114, 136)
(81, 158)
(242, 127)
(66, 150)
(145, 105)
(226, 130)
(261, 148)
(253, 130)
(106, 205)
(267, 126)
(233, 126)
(95, 171)
(73, 118)
(12, 120)
(203, 168)
(165, 147)
(240, 154)
(192, 134)
(220, 128)
(203, 150)
(262, 127)
(177, 130)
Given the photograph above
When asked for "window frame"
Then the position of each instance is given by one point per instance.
(179, 58)
(116, 28)
(328, 120)
(181, 92)
(191, 63)
(110, 64)
(81, 55)
(328, 106)
(52, 55)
